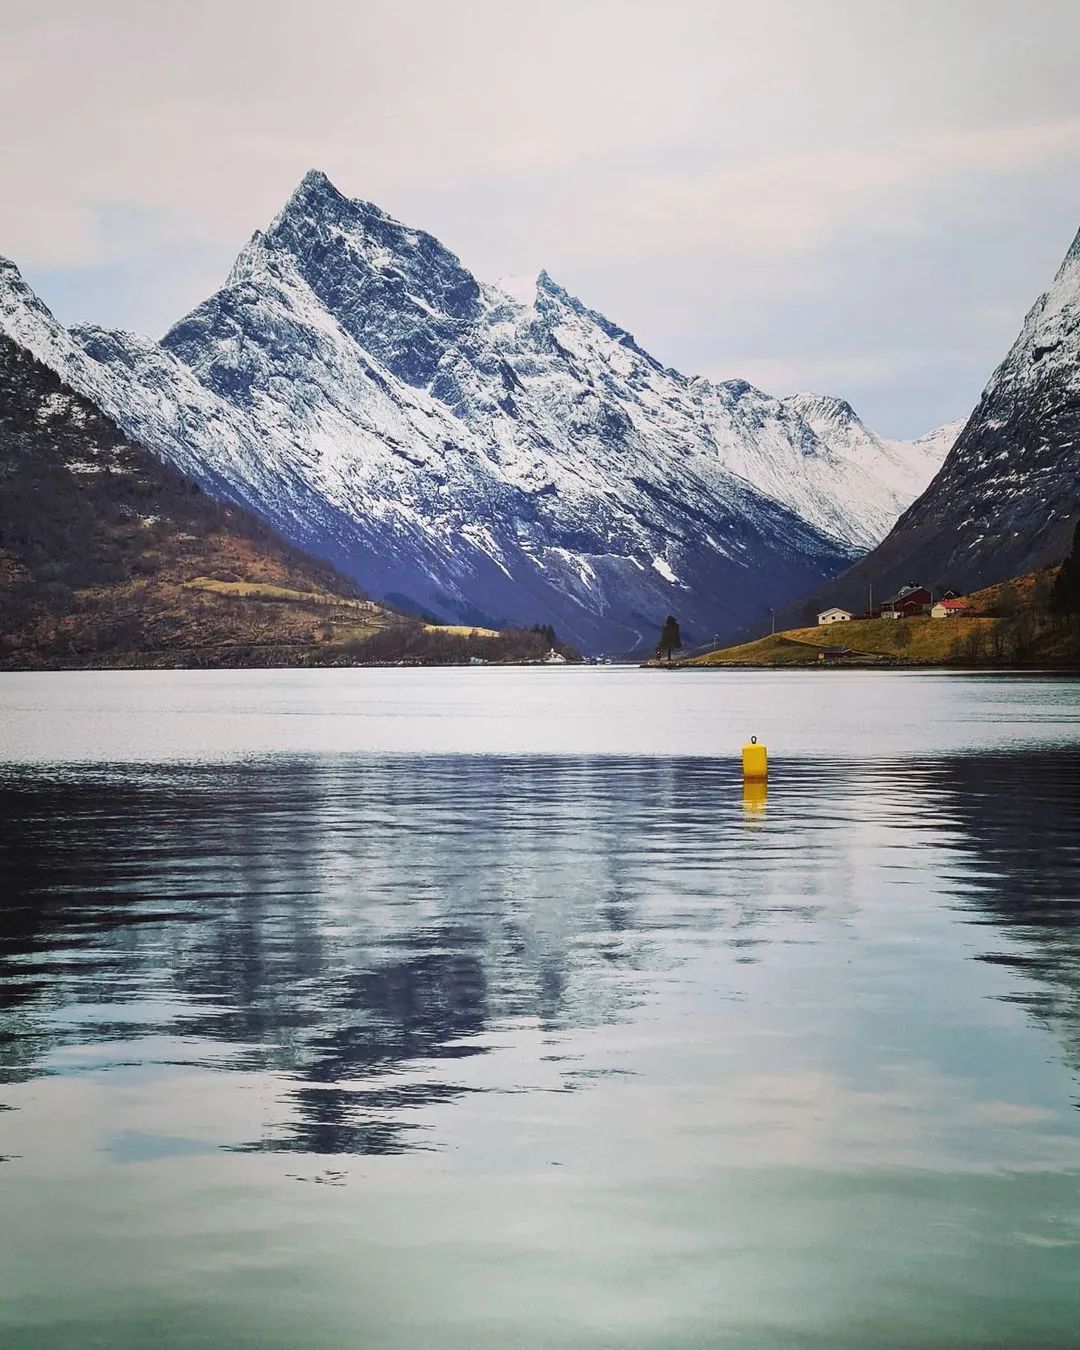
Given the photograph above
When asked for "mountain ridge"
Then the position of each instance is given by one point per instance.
(1008, 492)
(469, 455)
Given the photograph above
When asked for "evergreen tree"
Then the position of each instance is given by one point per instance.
(670, 638)
(1066, 594)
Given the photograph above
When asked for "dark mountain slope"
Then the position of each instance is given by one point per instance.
(1005, 499)
(110, 557)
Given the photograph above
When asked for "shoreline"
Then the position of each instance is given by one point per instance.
(933, 667)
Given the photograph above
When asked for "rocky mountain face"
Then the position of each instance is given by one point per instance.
(483, 456)
(815, 453)
(110, 557)
(1008, 494)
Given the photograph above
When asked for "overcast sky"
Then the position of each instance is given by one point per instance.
(860, 198)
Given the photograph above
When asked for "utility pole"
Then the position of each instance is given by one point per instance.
(871, 609)
(773, 613)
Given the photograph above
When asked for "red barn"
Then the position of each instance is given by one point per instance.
(908, 601)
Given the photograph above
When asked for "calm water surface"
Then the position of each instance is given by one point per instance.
(480, 1008)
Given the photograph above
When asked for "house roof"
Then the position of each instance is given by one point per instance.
(957, 603)
(833, 609)
(911, 588)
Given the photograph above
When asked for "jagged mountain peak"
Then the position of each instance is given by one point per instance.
(318, 216)
(814, 452)
(15, 291)
(546, 282)
(316, 187)
(825, 410)
(481, 455)
(554, 303)
(1067, 273)
(737, 389)
(1048, 347)
(316, 202)
(834, 421)
(26, 319)
(395, 291)
(944, 435)
(832, 403)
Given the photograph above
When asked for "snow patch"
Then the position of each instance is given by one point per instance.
(520, 287)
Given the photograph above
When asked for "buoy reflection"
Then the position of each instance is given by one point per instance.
(755, 793)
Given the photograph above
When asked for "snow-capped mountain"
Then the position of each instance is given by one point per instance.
(814, 453)
(1008, 494)
(478, 454)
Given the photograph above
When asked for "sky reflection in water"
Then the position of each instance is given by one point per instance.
(564, 1050)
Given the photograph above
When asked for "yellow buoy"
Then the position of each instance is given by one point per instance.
(755, 761)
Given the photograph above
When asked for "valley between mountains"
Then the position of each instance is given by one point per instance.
(478, 454)
(497, 455)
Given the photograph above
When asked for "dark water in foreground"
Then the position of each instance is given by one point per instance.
(364, 1045)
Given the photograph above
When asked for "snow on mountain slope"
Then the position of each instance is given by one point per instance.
(477, 453)
(1008, 494)
(865, 478)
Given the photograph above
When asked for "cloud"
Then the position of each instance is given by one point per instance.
(790, 202)
(658, 160)
(827, 372)
(758, 130)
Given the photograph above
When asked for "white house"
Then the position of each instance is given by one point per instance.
(834, 616)
(948, 609)
(554, 658)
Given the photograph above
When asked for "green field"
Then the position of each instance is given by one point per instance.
(922, 641)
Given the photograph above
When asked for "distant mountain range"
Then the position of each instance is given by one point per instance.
(1008, 494)
(480, 453)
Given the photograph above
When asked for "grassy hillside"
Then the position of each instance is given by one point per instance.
(908, 642)
(1007, 625)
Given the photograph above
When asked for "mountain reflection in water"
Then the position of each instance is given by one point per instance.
(384, 935)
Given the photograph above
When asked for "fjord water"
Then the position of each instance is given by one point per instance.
(479, 1008)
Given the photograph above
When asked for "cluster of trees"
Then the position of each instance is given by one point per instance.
(1042, 625)
(1015, 640)
(414, 643)
(1065, 599)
